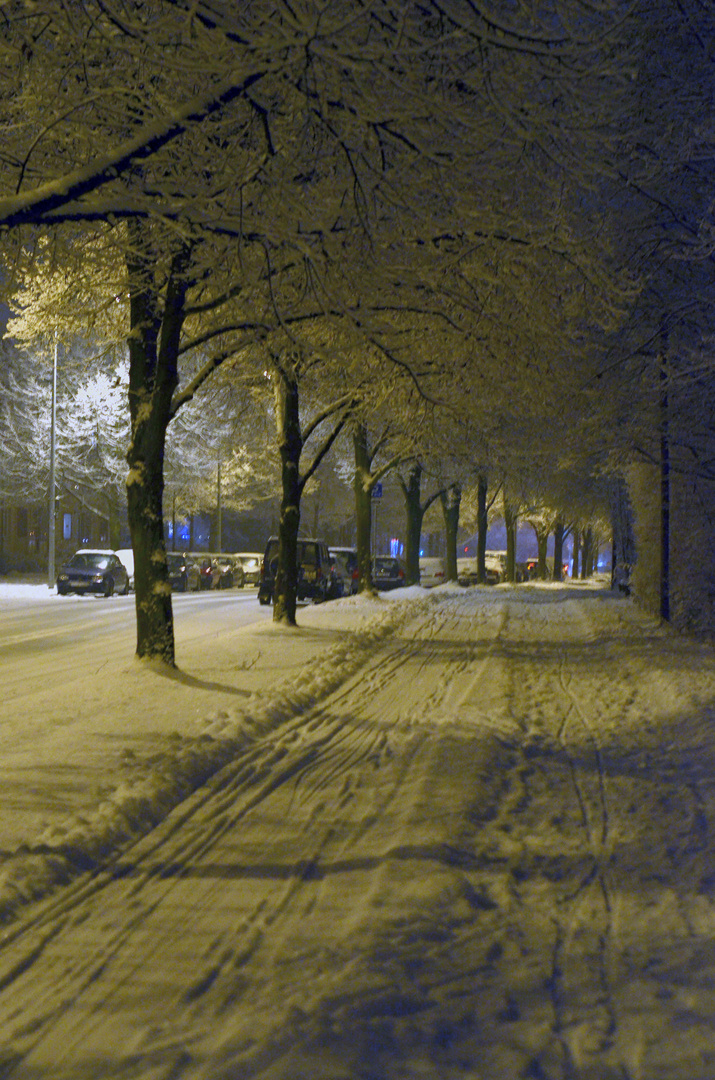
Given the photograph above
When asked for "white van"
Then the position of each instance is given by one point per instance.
(126, 557)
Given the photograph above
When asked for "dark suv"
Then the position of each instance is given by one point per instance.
(315, 580)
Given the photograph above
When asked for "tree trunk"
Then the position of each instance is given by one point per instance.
(664, 497)
(482, 524)
(559, 531)
(586, 549)
(451, 499)
(153, 377)
(362, 485)
(290, 446)
(510, 520)
(575, 552)
(414, 513)
(542, 541)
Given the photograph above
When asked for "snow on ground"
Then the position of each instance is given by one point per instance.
(463, 833)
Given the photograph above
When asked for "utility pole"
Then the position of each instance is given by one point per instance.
(219, 509)
(51, 494)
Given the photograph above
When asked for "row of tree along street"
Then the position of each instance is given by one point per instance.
(472, 244)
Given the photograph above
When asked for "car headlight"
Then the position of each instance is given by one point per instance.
(62, 577)
(98, 579)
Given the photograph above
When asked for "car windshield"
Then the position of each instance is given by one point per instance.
(88, 561)
(385, 565)
(174, 559)
(307, 553)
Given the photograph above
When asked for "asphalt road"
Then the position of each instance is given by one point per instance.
(64, 634)
(68, 677)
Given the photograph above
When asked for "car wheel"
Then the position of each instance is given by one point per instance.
(125, 590)
(108, 587)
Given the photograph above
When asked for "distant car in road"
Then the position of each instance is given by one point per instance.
(532, 569)
(467, 570)
(183, 572)
(251, 563)
(432, 572)
(494, 567)
(388, 573)
(218, 571)
(227, 573)
(93, 571)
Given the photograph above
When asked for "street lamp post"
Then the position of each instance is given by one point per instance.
(51, 495)
(219, 508)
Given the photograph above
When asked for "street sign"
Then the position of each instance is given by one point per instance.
(377, 490)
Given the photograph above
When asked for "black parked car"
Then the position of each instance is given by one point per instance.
(183, 572)
(316, 580)
(91, 571)
(387, 573)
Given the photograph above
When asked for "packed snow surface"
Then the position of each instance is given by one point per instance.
(458, 833)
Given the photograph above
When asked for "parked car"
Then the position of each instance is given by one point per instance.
(348, 559)
(388, 572)
(204, 563)
(315, 578)
(217, 571)
(126, 556)
(467, 570)
(251, 563)
(183, 572)
(432, 572)
(90, 571)
(532, 569)
(494, 567)
(226, 572)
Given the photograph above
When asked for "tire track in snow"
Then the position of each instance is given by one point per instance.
(277, 765)
(360, 881)
(313, 764)
(580, 981)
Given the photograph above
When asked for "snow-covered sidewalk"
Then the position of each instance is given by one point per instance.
(459, 834)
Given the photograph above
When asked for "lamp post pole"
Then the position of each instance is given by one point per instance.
(51, 497)
(219, 508)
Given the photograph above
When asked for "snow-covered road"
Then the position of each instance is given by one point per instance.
(469, 834)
